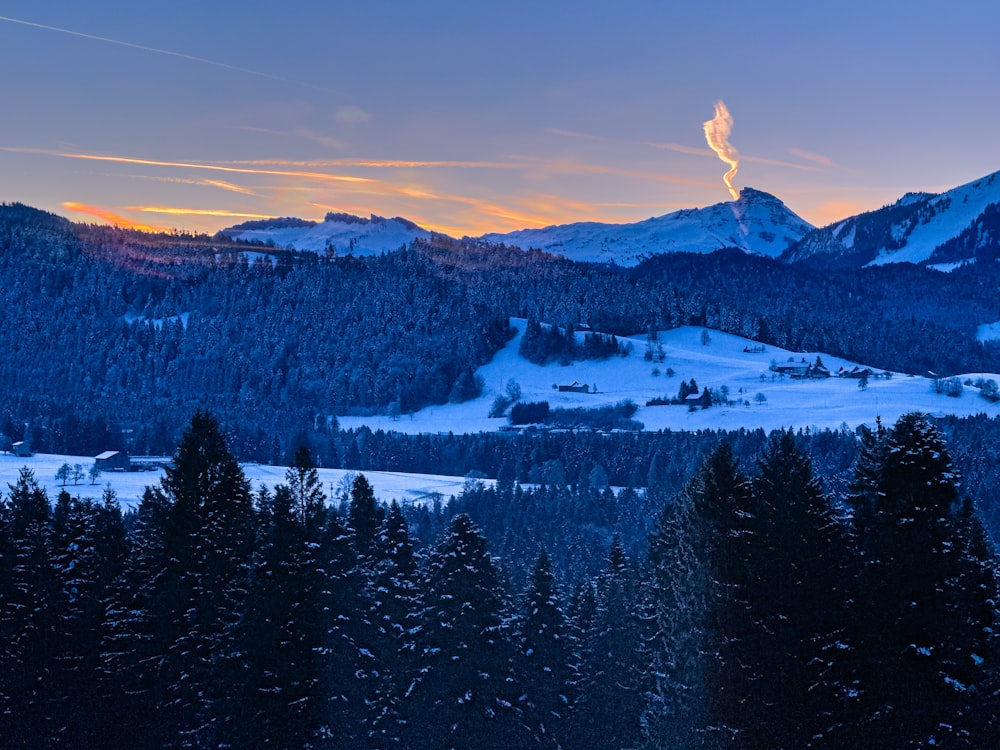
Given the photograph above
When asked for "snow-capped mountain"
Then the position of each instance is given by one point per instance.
(756, 222)
(942, 230)
(338, 232)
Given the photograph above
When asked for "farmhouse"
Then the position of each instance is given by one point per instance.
(574, 387)
(21, 449)
(112, 461)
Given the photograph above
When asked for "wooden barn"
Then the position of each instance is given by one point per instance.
(113, 461)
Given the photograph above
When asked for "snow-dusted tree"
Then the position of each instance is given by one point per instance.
(365, 516)
(29, 614)
(925, 615)
(614, 677)
(394, 596)
(172, 629)
(798, 590)
(677, 588)
(461, 690)
(546, 659)
(280, 634)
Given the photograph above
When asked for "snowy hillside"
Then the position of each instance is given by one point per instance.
(342, 233)
(908, 231)
(756, 223)
(764, 398)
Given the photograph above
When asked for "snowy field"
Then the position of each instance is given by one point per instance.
(784, 402)
(129, 486)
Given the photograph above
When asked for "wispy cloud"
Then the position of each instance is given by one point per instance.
(319, 176)
(681, 149)
(563, 133)
(172, 211)
(825, 161)
(167, 52)
(351, 115)
(380, 164)
(220, 184)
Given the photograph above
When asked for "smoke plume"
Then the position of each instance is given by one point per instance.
(717, 132)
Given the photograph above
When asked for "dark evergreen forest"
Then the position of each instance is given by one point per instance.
(764, 610)
(113, 338)
(611, 590)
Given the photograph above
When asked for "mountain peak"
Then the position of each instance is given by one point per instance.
(757, 223)
(752, 195)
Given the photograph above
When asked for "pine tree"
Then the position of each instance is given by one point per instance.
(722, 501)
(279, 636)
(345, 657)
(172, 628)
(614, 679)
(545, 663)
(919, 628)
(29, 617)
(798, 592)
(461, 692)
(678, 591)
(394, 596)
(365, 516)
(89, 549)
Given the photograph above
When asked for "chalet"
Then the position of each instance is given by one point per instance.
(21, 449)
(792, 369)
(802, 370)
(857, 372)
(574, 387)
(701, 400)
(112, 461)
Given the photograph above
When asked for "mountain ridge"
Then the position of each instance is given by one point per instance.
(940, 230)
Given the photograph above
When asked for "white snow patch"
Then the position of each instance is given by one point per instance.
(830, 403)
(988, 332)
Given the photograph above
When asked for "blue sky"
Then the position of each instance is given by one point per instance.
(473, 117)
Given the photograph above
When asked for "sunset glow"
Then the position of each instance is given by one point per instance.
(593, 120)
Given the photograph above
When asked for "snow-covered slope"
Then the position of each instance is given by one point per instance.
(918, 228)
(341, 233)
(757, 223)
(726, 360)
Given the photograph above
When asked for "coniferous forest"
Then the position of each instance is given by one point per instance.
(764, 611)
(616, 589)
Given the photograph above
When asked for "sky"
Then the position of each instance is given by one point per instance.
(470, 117)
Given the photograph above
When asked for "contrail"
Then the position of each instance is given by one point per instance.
(717, 132)
(169, 53)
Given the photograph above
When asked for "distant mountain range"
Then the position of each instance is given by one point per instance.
(338, 233)
(942, 231)
(945, 230)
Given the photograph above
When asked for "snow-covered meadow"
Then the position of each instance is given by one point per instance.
(764, 399)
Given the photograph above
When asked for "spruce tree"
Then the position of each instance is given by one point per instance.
(798, 591)
(614, 679)
(29, 617)
(173, 627)
(922, 634)
(461, 691)
(545, 661)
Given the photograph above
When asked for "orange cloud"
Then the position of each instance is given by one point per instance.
(380, 164)
(108, 216)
